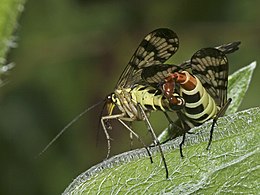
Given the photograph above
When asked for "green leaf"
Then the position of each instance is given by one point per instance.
(238, 84)
(9, 13)
(231, 166)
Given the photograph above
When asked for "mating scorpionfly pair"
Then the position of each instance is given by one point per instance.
(196, 89)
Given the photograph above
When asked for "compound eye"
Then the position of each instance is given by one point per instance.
(111, 99)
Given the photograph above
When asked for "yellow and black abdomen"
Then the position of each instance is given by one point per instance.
(150, 98)
(199, 106)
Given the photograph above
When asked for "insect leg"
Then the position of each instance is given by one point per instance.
(168, 117)
(182, 143)
(173, 123)
(135, 134)
(172, 131)
(186, 125)
(104, 125)
(220, 113)
(155, 138)
(131, 138)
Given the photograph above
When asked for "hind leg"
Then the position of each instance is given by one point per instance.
(219, 114)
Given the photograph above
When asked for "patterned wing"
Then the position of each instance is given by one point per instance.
(156, 48)
(155, 74)
(229, 47)
(210, 65)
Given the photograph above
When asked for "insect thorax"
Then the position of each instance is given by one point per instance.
(151, 99)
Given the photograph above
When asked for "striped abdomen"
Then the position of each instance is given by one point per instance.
(150, 98)
(200, 106)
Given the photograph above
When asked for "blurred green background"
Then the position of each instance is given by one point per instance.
(71, 53)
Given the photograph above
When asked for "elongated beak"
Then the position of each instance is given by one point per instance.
(110, 108)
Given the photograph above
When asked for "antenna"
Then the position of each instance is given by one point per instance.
(67, 126)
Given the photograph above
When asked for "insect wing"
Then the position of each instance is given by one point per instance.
(157, 47)
(155, 74)
(210, 65)
(229, 47)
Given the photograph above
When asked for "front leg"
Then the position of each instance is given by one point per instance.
(104, 125)
(136, 135)
(150, 128)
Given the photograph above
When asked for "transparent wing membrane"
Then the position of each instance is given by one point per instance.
(156, 73)
(157, 47)
(210, 65)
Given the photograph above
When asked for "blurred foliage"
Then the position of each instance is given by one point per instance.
(70, 54)
(9, 12)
